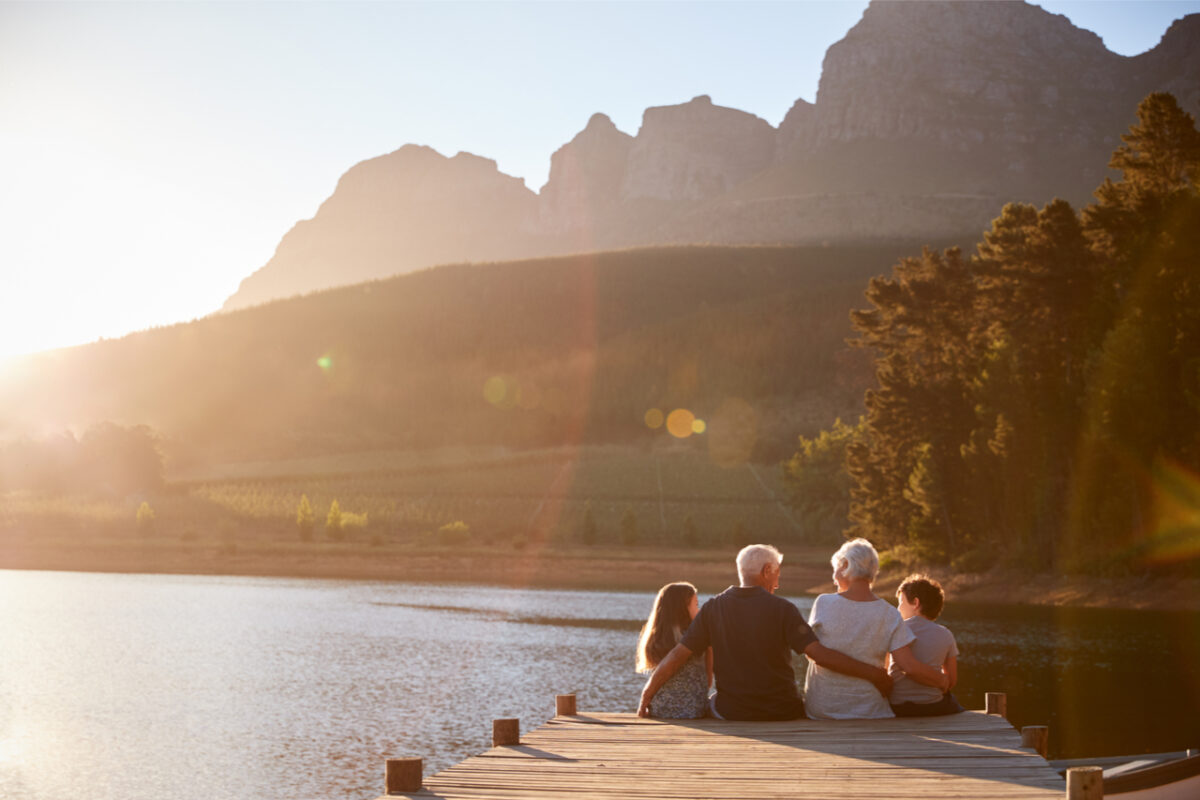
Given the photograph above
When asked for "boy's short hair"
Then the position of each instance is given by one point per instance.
(928, 591)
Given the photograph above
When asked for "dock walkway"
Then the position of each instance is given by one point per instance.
(969, 755)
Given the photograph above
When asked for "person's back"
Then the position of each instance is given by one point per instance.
(920, 602)
(934, 643)
(752, 634)
(867, 631)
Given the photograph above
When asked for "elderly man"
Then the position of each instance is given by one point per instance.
(752, 633)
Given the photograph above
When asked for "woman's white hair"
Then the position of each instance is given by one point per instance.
(752, 558)
(856, 559)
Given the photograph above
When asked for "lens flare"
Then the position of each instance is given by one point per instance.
(699, 426)
(1175, 536)
(494, 390)
(679, 423)
(654, 418)
(325, 362)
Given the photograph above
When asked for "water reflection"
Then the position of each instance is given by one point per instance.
(128, 686)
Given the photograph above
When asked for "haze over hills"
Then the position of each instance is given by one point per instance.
(572, 349)
(929, 117)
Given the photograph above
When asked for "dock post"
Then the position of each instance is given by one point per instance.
(1037, 737)
(403, 775)
(1085, 783)
(564, 705)
(506, 732)
(996, 703)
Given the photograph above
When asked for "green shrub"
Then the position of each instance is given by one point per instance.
(353, 522)
(457, 532)
(333, 521)
(145, 518)
(304, 519)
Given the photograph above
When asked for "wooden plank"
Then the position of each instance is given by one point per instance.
(970, 755)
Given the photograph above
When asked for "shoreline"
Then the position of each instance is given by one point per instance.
(805, 571)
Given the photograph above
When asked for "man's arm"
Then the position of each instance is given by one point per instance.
(840, 662)
(662, 673)
(951, 670)
(918, 670)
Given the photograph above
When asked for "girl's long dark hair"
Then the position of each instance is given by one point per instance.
(668, 620)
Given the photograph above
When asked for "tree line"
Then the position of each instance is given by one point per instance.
(1037, 402)
(107, 458)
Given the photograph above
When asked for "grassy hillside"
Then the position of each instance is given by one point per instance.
(524, 354)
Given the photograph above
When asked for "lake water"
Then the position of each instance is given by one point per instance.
(148, 686)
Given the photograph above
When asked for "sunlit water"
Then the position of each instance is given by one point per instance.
(145, 686)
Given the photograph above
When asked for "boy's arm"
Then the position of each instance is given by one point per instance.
(951, 670)
(918, 670)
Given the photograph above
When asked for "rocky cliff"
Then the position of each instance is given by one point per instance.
(929, 117)
(403, 211)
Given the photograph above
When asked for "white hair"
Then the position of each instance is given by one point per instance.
(856, 559)
(752, 558)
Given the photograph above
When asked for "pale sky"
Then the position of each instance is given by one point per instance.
(153, 154)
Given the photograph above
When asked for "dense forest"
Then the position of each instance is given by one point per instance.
(1038, 402)
(521, 354)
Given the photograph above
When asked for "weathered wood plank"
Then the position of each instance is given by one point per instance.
(969, 755)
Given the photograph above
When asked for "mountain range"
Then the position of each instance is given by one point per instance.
(929, 117)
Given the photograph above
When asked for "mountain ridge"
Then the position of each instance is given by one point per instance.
(929, 117)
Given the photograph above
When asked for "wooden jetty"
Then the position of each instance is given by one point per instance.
(976, 755)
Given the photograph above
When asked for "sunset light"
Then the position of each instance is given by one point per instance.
(785, 396)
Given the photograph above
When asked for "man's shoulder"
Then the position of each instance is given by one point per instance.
(750, 597)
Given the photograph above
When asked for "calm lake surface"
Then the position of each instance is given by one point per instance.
(147, 686)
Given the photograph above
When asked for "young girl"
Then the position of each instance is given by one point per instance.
(685, 695)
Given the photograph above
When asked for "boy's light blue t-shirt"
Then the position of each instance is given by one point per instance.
(934, 644)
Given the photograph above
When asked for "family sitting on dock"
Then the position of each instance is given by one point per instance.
(867, 660)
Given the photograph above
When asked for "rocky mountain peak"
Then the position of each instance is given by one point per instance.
(929, 117)
(585, 178)
(695, 150)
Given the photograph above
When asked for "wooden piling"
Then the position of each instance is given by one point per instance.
(1085, 783)
(1037, 737)
(996, 703)
(564, 705)
(506, 732)
(403, 775)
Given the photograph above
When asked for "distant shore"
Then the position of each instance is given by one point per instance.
(806, 569)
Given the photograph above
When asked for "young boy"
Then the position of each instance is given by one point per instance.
(920, 600)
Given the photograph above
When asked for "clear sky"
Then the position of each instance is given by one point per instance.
(153, 154)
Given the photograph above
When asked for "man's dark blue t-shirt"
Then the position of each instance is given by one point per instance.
(752, 633)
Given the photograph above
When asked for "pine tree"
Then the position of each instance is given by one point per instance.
(145, 518)
(333, 521)
(304, 518)
(921, 325)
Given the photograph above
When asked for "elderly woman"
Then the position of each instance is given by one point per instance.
(864, 627)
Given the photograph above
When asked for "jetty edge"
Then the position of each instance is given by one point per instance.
(604, 755)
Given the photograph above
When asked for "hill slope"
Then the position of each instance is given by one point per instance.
(527, 353)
